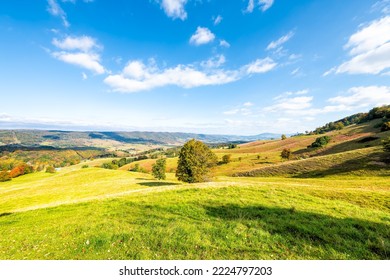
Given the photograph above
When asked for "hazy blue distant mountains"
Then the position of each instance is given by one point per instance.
(59, 138)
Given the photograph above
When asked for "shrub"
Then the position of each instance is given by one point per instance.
(385, 126)
(136, 168)
(284, 137)
(85, 166)
(50, 169)
(320, 142)
(4, 176)
(286, 154)
(226, 159)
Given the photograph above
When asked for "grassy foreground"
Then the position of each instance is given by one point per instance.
(131, 216)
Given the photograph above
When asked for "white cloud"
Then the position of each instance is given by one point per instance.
(218, 20)
(265, 4)
(84, 76)
(369, 48)
(80, 51)
(289, 93)
(202, 36)
(364, 96)
(261, 66)
(291, 104)
(250, 7)
(231, 112)
(371, 62)
(88, 61)
(382, 6)
(82, 43)
(262, 4)
(224, 43)
(356, 98)
(243, 110)
(137, 76)
(296, 71)
(214, 62)
(175, 8)
(276, 44)
(56, 10)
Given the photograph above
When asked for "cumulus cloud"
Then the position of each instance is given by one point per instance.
(276, 44)
(363, 97)
(82, 43)
(356, 98)
(369, 49)
(202, 36)
(80, 51)
(137, 76)
(174, 8)
(55, 9)
(85, 60)
(262, 4)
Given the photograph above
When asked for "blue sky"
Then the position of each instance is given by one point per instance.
(207, 66)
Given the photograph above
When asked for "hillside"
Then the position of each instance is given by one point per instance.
(112, 214)
(356, 148)
(118, 140)
(329, 202)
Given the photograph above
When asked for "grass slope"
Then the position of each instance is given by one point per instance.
(360, 162)
(239, 218)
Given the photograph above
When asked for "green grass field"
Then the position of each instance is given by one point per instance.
(113, 214)
(327, 203)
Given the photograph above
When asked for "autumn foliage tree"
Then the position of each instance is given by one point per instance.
(195, 162)
(21, 169)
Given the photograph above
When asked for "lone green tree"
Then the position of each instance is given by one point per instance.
(158, 169)
(195, 162)
(284, 137)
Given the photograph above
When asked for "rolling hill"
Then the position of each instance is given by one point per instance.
(330, 202)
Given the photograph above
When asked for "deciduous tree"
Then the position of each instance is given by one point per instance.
(195, 162)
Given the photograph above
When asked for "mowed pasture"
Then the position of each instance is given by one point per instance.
(113, 214)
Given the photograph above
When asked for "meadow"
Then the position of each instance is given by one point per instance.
(327, 203)
(128, 215)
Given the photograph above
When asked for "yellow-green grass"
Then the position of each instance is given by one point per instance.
(146, 164)
(69, 185)
(239, 218)
(362, 162)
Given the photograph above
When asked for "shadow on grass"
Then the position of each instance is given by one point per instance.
(157, 184)
(363, 163)
(358, 239)
(5, 214)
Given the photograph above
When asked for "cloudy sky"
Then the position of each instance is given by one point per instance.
(207, 66)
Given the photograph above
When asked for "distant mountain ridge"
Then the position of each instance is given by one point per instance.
(60, 138)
